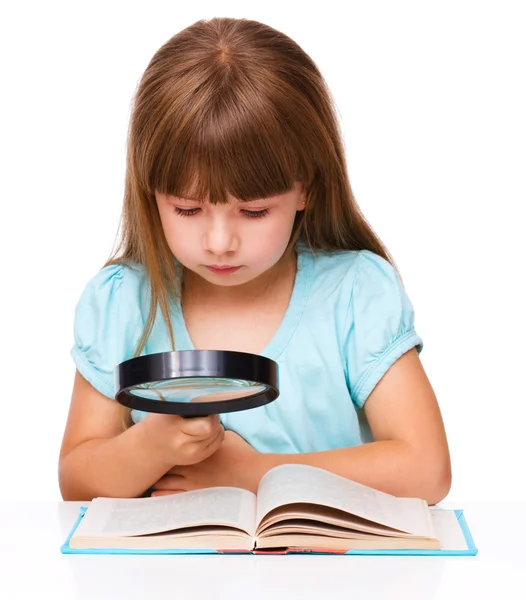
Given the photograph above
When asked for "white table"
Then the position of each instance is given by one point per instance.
(32, 566)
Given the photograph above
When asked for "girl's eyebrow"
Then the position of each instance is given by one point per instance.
(255, 200)
(252, 201)
(175, 198)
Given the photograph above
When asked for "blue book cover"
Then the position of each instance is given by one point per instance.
(469, 550)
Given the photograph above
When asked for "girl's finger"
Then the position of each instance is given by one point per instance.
(166, 492)
(170, 482)
(200, 427)
(220, 433)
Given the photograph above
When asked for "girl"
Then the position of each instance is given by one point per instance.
(240, 232)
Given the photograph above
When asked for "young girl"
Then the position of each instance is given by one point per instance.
(240, 232)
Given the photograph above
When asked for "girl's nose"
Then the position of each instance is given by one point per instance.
(220, 236)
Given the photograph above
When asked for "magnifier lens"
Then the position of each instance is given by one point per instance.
(202, 389)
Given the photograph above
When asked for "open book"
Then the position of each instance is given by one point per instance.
(297, 508)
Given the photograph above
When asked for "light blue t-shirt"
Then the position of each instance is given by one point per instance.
(349, 319)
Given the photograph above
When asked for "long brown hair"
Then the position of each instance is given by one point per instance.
(233, 105)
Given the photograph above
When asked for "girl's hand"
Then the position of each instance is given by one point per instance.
(184, 441)
(234, 464)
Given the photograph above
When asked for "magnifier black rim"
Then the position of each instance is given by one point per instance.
(228, 364)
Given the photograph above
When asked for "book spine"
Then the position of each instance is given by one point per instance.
(298, 551)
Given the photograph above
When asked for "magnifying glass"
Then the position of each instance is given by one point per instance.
(194, 383)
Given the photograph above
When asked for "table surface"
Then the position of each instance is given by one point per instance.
(32, 566)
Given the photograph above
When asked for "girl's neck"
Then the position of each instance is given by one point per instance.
(195, 289)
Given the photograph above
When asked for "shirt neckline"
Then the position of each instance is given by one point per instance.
(291, 318)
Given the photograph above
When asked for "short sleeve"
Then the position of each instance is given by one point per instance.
(106, 325)
(380, 325)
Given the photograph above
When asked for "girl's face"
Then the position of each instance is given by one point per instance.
(229, 244)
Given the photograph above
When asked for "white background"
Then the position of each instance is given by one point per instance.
(431, 97)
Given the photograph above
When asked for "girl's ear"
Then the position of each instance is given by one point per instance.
(302, 199)
(301, 204)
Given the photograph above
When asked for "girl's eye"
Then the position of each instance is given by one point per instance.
(185, 212)
(255, 214)
(251, 214)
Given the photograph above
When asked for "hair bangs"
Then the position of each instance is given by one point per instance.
(237, 144)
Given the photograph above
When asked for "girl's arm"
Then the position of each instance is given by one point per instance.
(98, 459)
(410, 455)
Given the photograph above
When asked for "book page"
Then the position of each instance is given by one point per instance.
(107, 517)
(448, 529)
(291, 484)
(321, 517)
